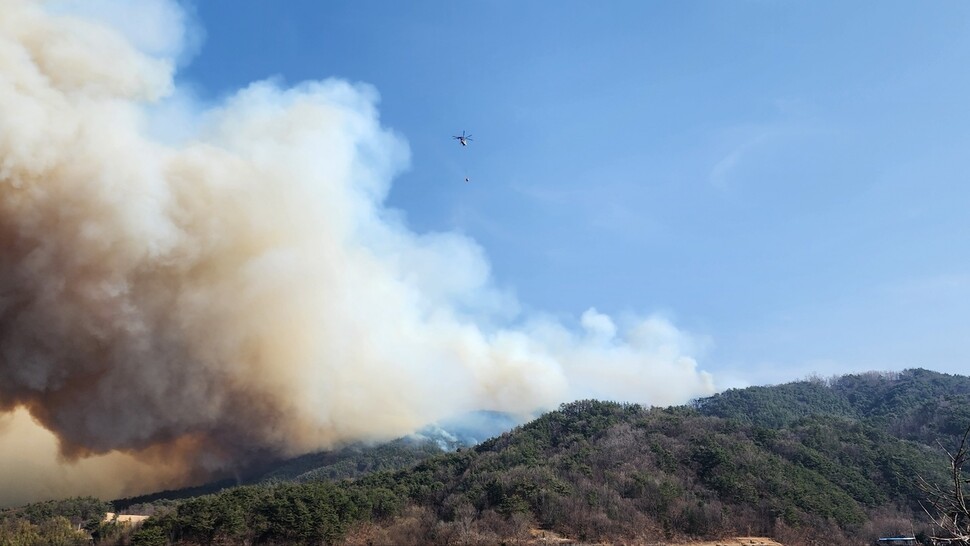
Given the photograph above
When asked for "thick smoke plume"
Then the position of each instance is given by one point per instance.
(176, 308)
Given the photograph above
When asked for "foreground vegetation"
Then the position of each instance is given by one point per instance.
(812, 462)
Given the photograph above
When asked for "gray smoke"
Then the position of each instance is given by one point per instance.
(175, 307)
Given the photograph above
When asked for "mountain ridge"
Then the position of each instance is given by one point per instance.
(836, 458)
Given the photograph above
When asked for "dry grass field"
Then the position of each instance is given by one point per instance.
(540, 537)
(739, 541)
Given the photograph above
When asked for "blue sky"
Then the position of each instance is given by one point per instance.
(665, 199)
(784, 179)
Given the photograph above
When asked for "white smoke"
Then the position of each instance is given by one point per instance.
(191, 305)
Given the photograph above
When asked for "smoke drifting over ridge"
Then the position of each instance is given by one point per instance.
(173, 310)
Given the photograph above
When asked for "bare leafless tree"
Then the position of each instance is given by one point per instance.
(948, 505)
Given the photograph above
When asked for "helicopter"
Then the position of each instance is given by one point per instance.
(463, 139)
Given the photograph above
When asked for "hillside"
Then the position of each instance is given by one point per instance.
(352, 460)
(834, 459)
(918, 405)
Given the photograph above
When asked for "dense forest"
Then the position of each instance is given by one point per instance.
(831, 461)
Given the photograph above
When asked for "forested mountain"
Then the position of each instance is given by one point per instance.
(918, 405)
(811, 462)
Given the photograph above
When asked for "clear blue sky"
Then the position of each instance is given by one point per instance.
(787, 179)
